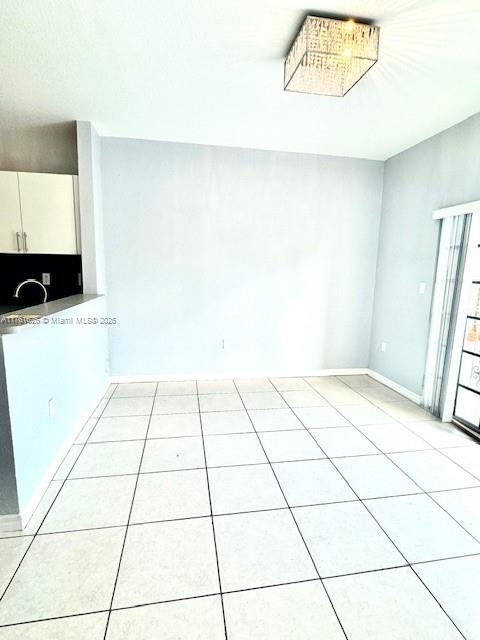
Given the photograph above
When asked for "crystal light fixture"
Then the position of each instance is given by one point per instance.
(329, 56)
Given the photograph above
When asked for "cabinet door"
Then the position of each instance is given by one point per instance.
(48, 212)
(10, 219)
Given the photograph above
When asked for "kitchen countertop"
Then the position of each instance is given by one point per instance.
(17, 319)
(9, 308)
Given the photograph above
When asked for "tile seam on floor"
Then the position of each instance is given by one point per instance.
(127, 526)
(388, 536)
(240, 433)
(253, 464)
(87, 438)
(466, 555)
(246, 511)
(351, 424)
(156, 602)
(234, 591)
(353, 490)
(210, 393)
(63, 481)
(40, 620)
(337, 408)
(440, 449)
(431, 447)
(425, 492)
(244, 433)
(190, 435)
(457, 463)
(211, 517)
(412, 567)
(298, 528)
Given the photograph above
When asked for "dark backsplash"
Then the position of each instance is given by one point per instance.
(64, 273)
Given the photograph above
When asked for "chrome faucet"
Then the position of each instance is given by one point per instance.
(30, 281)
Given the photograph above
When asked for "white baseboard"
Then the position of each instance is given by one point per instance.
(403, 391)
(16, 522)
(224, 375)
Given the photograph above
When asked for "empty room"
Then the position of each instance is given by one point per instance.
(239, 320)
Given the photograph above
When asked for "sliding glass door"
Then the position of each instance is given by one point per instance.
(467, 400)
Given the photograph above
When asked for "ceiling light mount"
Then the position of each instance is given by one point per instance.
(328, 57)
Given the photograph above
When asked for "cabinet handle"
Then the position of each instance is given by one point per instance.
(25, 241)
(18, 241)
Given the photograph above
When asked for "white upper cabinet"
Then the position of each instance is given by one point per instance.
(11, 240)
(47, 204)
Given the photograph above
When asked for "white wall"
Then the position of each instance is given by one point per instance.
(439, 172)
(275, 252)
(91, 215)
(65, 362)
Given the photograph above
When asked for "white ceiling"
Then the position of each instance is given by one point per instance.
(211, 71)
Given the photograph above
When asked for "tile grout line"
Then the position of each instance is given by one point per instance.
(442, 452)
(63, 481)
(121, 475)
(345, 480)
(235, 513)
(211, 515)
(381, 527)
(428, 493)
(422, 490)
(156, 602)
(431, 447)
(386, 534)
(434, 448)
(296, 523)
(40, 620)
(387, 456)
(239, 433)
(339, 410)
(192, 393)
(127, 525)
(423, 493)
(232, 591)
(405, 424)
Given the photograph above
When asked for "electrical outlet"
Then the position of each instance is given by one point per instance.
(51, 407)
(45, 278)
(383, 346)
(422, 287)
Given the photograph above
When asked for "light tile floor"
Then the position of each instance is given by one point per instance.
(281, 509)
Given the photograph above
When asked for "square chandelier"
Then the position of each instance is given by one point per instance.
(330, 56)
